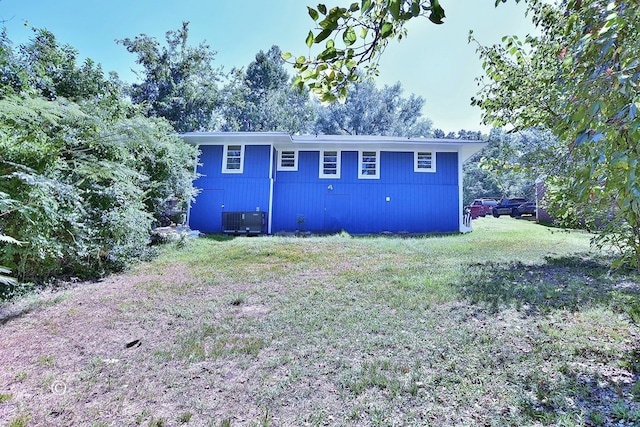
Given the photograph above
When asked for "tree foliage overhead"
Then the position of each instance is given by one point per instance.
(178, 81)
(352, 39)
(372, 111)
(580, 79)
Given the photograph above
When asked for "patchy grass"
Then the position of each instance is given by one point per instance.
(513, 324)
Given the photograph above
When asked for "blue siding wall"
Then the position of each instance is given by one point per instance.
(220, 192)
(418, 202)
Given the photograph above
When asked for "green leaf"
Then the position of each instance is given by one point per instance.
(342, 95)
(298, 82)
(322, 35)
(363, 32)
(329, 23)
(354, 7)
(287, 55)
(310, 39)
(387, 29)
(437, 12)
(366, 6)
(394, 8)
(415, 8)
(328, 54)
(349, 36)
(313, 13)
(322, 8)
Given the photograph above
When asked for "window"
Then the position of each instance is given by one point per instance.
(288, 160)
(233, 159)
(425, 161)
(369, 165)
(330, 164)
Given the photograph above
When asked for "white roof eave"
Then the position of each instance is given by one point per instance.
(284, 141)
(216, 138)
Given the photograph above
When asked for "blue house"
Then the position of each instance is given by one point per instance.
(328, 183)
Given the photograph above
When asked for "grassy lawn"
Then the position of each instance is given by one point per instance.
(514, 324)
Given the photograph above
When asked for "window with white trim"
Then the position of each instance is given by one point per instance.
(330, 164)
(233, 159)
(425, 161)
(369, 165)
(288, 160)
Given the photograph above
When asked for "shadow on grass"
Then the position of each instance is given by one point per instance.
(599, 388)
(597, 399)
(570, 283)
(219, 237)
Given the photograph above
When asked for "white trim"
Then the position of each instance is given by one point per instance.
(416, 167)
(295, 160)
(285, 141)
(376, 175)
(338, 156)
(463, 227)
(271, 182)
(225, 169)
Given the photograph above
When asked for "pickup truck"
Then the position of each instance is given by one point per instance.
(482, 207)
(506, 206)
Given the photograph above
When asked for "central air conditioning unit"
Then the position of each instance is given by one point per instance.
(249, 223)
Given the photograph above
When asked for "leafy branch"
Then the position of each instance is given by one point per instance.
(373, 23)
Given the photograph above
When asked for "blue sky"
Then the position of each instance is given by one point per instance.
(435, 62)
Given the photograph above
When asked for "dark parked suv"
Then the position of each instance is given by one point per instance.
(528, 208)
(506, 206)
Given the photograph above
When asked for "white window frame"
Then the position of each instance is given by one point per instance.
(338, 164)
(225, 159)
(416, 166)
(361, 163)
(295, 160)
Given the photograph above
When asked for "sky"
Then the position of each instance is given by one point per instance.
(434, 61)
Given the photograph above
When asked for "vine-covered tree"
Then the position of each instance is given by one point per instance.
(178, 82)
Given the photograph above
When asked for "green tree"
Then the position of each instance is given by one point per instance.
(13, 79)
(262, 99)
(178, 82)
(368, 110)
(579, 78)
(509, 165)
(83, 174)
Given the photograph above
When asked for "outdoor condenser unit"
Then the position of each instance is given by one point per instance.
(243, 222)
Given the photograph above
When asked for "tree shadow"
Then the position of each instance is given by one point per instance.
(602, 398)
(219, 237)
(570, 283)
(604, 388)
